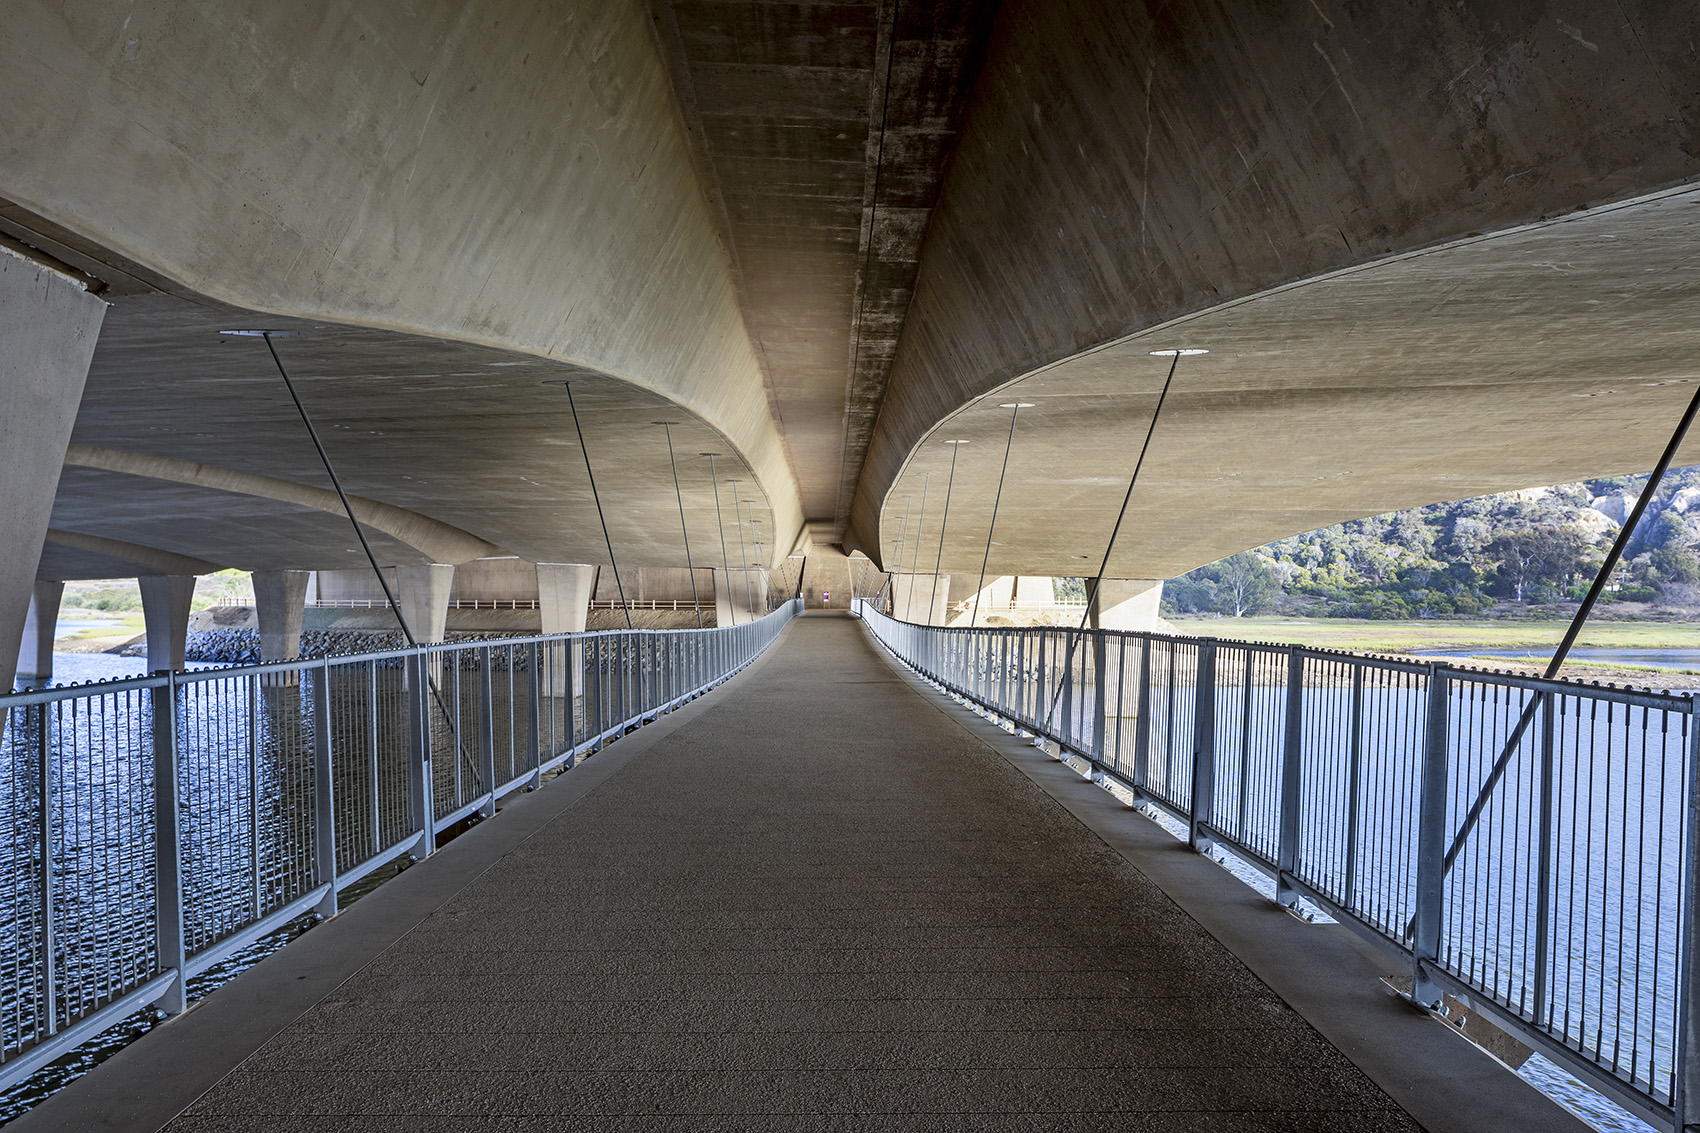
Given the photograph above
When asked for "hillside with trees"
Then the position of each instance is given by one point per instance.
(1493, 554)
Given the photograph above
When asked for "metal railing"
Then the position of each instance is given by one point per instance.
(152, 828)
(1545, 875)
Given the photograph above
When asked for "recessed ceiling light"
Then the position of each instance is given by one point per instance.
(262, 333)
(957, 442)
(1018, 405)
(1184, 352)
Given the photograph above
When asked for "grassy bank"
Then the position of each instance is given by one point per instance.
(1416, 636)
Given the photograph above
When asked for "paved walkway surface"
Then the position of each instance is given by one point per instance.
(822, 904)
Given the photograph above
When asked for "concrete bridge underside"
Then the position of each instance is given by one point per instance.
(821, 897)
(1431, 254)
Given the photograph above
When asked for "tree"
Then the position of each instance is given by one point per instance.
(1535, 555)
(1246, 583)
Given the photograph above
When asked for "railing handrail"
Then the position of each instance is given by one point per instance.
(160, 742)
(1309, 735)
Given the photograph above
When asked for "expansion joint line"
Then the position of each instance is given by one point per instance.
(360, 533)
(1104, 566)
(594, 495)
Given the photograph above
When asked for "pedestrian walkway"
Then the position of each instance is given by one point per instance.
(819, 902)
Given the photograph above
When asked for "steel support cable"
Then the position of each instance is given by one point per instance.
(360, 534)
(609, 543)
(993, 526)
(915, 558)
(743, 547)
(720, 525)
(944, 522)
(1104, 566)
(683, 530)
(1497, 772)
(897, 553)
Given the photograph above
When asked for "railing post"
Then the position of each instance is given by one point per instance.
(1354, 786)
(1203, 798)
(1142, 726)
(1543, 865)
(534, 721)
(324, 790)
(1100, 657)
(486, 727)
(1431, 843)
(168, 850)
(421, 799)
(1291, 768)
(1686, 1094)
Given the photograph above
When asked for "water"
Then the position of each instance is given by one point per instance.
(1680, 659)
(81, 668)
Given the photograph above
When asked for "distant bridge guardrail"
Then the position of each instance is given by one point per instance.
(1555, 896)
(151, 829)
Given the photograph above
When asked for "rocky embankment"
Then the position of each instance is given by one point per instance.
(240, 646)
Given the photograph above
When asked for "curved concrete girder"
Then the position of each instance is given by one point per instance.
(1184, 155)
(148, 560)
(488, 172)
(439, 542)
(1557, 352)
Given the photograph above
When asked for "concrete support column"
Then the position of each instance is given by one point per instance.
(280, 598)
(424, 592)
(1126, 603)
(165, 611)
(48, 327)
(35, 654)
(826, 570)
(920, 598)
(564, 591)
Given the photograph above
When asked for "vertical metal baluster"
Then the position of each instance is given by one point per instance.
(486, 729)
(374, 799)
(1142, 726)
(1100, 689)
(324, 794)
(44, 830)
(419, 754)
(534, 721)
(254, 695)
(1293, 743)
(168, 850)
(1204, 749)
(1244, 797)
(1354, 787)
(1431, 842)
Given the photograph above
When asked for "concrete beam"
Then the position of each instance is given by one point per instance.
(35, 655)
(151, 559)
(437, 540)
(48, 327)
(165, 612)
